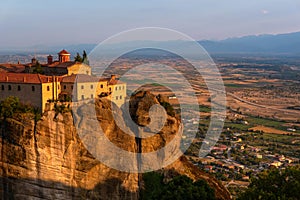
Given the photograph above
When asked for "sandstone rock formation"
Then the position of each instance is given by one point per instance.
(51, 161)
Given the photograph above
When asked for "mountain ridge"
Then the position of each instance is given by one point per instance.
(288, 43)
(285, 43)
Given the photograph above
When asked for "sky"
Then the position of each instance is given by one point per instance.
(54, 22)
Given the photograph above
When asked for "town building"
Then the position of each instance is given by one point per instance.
(62, 80)
(32, 89)
(62, 66)
(81, 87)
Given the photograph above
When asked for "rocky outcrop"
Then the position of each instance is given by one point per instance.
(53, 163)
(158, 134)
(140, 106)
(51, 160)
(160, 128)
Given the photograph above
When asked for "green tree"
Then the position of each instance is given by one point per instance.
(274, 184)
(61, 109)
(82, 59)
(85, 58)
(78, 58)
(180, 187)
(9, 106)
(153, 186)
(38, 68)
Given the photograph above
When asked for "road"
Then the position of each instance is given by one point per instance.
(285, 111)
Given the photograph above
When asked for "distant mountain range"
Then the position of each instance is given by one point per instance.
(268, 44)
(288, 43)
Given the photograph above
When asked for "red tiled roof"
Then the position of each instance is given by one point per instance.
(17, 68)
(64, 52)
(62, 65)
(25, 78)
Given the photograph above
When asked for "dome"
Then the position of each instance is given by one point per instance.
(64, 52)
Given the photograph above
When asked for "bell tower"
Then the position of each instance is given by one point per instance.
(49, 59)
(64, 56)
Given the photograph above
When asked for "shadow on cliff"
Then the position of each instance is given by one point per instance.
(16, 188)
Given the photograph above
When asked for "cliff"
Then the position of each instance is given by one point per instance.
(49, 160)
(140, 105)
(52, 163)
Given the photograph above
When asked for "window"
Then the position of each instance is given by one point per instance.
(92, 86)
(109, 89)
(101, 86)
(82, 97)
(65, 87)
(82, 87)
(123, 87)
(92, 96)
(72, 87)
(117, 98)
(120, 88)
(48, 88)
(19, 88)
(9, 87)
(116, 88)
(121, 97)
(87, 72)
(2, 87)
(32, 88)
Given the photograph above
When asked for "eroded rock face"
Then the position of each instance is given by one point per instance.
(53, 163)
(157, 136)
(51, 160)
(160, 132)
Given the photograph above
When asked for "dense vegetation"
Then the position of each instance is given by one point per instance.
(82, 59)
(37, 69)
(12, 106)
(275, 184)
(180, 187)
